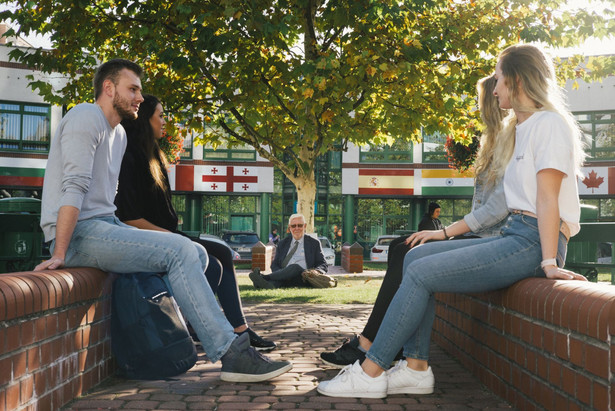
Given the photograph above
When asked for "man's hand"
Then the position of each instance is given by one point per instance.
(51, 264)
(555, 273)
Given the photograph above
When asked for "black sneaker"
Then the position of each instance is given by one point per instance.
(258, 281)
(259, 343)
(242, 363)
(346, 354)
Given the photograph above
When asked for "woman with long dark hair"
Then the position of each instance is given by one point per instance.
(143, 200)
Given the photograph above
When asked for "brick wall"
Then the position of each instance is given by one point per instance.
(352, 258)
(540, 344)
(55, 339)
(262, 256)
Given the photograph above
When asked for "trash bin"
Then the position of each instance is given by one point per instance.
(21, 238)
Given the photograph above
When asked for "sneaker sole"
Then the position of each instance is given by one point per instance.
(238, 377)
(263, 348)
(413, 390)
(334, 365)
(352, 394)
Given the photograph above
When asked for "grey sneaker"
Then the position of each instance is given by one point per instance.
(258, 281)
(242, 363)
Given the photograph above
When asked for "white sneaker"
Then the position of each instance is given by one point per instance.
(353, 382)
(404, 380)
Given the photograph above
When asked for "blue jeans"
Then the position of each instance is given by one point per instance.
(112, 246)
(468, 266)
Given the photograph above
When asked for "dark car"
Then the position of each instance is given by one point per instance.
(242, 242)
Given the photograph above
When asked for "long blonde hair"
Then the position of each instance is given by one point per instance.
(494, 153)
(526, 66)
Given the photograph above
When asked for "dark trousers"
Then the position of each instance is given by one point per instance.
(221, 277)
(392, 279)
(289, 276)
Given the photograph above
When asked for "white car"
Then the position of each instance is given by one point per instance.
(327, 250)
(210, 237)
(380, 250)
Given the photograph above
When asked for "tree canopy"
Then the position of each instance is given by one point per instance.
(298, 78)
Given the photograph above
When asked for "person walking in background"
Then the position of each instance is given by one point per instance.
(77, 217)
(297, 256)
(274, 237)
(143, 200)
(488, 214)
(430, 220)
(541, 194)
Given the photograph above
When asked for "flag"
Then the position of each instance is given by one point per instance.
(386, 181)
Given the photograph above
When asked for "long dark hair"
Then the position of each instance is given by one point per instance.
(140, 134)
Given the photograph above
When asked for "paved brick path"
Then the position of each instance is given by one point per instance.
(302, 332)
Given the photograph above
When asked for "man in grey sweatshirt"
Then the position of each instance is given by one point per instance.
(78, 218)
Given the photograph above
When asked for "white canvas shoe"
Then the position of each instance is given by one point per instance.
(404, 380)
(353, 382)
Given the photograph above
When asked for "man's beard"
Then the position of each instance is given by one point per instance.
(123, 108)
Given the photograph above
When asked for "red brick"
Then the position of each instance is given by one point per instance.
(561, 346)
(27, 333)
(569, 381)
(26, 387)
(19, 364)
(12, 338)
(40, 329)
(596, 360)
(583, 389)
(555, 372)
(576, 351)
(6, 368)
(600, 396)
(12, 396)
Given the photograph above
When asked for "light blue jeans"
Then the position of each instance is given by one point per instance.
(468, 266)
(112, 246)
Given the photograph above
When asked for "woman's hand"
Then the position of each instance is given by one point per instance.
(554, 272)
(51, 264)
(426, 235)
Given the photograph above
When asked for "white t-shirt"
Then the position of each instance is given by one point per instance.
(543, 141)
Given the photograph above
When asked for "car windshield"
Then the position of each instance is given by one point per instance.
(241, 238)
(324, 242)
(385, 241)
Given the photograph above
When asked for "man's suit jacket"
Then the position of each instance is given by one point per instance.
(314, 257)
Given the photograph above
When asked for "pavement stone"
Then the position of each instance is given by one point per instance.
(302, 331)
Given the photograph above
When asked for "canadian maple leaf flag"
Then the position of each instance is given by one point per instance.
(596, 180)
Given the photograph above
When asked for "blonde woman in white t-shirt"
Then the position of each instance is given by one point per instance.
(541, 194)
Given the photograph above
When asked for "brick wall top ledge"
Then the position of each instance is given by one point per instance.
(26, 293)
(584, 307)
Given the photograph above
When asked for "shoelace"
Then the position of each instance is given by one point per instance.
(344, 374)
(255, 355)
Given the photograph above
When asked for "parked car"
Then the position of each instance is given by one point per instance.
(211, 237)
(380, 250)
(327, 250)
(242, 242)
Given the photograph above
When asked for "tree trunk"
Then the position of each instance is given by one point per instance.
(306, 194)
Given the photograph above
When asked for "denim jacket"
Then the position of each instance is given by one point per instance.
(489, 209)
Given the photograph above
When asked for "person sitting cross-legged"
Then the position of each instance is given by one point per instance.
(297, 255)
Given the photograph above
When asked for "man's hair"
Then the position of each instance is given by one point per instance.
(111, 70)
(296, 216)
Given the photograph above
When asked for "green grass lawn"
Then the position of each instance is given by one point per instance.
(351, 289)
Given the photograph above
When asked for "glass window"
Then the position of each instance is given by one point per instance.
(599, 128)
(243, 153)
(399, 152)
(433, 148)
(24, 127)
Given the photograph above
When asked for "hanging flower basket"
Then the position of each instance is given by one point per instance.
(461, 156)
(172, 146)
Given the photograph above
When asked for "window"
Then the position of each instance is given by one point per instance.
(433, 148)
(243, 153)
(399, 152)
(599, 126)
(24, 127)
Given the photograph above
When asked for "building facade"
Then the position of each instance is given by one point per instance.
(362, 193)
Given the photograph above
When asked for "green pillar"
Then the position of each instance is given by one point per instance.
(194, 215)
(348, 220)
(265, 225)
(418, 209)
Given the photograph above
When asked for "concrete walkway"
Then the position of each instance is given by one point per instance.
(302, 331)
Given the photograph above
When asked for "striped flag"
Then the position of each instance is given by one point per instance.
(386, 181)
(447, 182)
